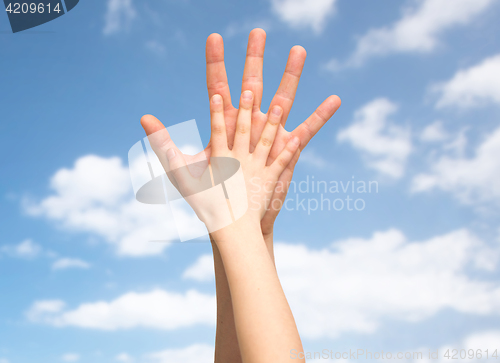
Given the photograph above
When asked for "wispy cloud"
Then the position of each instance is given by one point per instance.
(66, 263)
(156, 47)
(158, 309)
(95, 196)
(25, 249)
(192, 354)
(472, 180)
(302, 14)
(119, 15)
(201, 270)
(70, 357)
(244, 27)
(434, 132)
(124, 358)
(45, 307)
(313, 159)
(472, 87)
(385, 145)
(385, 276)
(417, 31)
(478, 342)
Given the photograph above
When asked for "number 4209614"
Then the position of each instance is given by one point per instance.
(24, 8)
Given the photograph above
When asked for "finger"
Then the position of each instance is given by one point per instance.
(285, 157)
(244, 124)
(259, 121)
(284, 98)
(285, 94)
(151, 124)
(168, 154)
(286, 175)
(178, 172)
(216, 70)
(306, 130)
(252, 73)
(218, 138)
(158, 136)
(280, 141)
(284, 180)
(266, 140)
(279, 194)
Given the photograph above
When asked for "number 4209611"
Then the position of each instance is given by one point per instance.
(24, 8)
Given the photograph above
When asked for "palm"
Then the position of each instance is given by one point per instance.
(252, 80)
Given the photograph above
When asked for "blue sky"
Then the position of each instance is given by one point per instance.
(416, 269)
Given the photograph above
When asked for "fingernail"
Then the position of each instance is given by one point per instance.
(247, 95)
(296, 140)
(170, 154)
(217, 99)
(276, 110)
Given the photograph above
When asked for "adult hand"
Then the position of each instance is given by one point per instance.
(253, 80)
(259, 179)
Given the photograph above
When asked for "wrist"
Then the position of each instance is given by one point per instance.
(244, 226)
(268, 236)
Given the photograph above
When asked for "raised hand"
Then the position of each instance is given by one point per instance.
(259, 179)
(252, 80)
(227, 347)
(281, 155)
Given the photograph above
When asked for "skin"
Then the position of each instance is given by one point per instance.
(264, 324)
(285, 95)
(260, 178)
(227, 346)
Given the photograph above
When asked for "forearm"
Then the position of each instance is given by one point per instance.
(264, 322)
(268, 239)
(226, 341)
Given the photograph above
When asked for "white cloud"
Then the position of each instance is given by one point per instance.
(25, 249)
(124, 357)
(119, 15)
(417, 31)
(95, 196)
(482, 340)
(304, 13)
(385, 145)
(355, 284)
(201, 270)
(158, 309)
(65, 263)
(457, 144)
(4, 360)
(471, 87)
(434, 132)
(43, 308)
(478, 342)
(351, 286)
(193, 354)
(70, 357)
(244, 27)
(156, 47)
(471, 180)
(311, 158)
